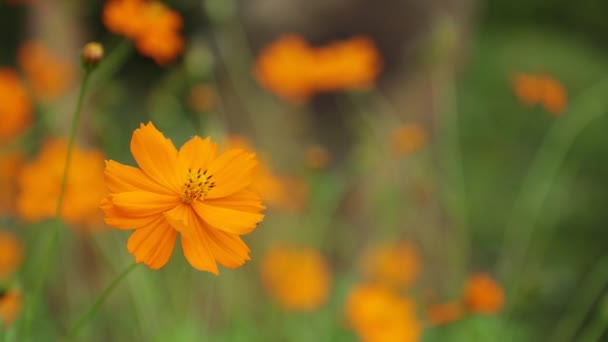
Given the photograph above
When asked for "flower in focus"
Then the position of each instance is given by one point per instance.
(298, 278)
(49, 75)
(444, 313)
(379, 314)
(395, 264)
(153, 27)
(294, 70)
(11, 302)
(483, 295)
(11, 254)
(407, 138)
(316, 157)
(196, 192)
(40, 184)
(15, 106)
(541, 89)
(10, 165)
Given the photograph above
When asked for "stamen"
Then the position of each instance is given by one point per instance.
(197, 185)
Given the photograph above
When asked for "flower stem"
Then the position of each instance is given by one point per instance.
(97, 304)
(57, 224)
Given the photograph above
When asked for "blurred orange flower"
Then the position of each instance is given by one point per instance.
(40, 184)
(15, 106)
(11, 254)
(295, 71)
(153, 27)
(11, 302)
(445, 313)
(407, 138)
(541, 89)
(298, 278)
(280, 192)
(483, 295)
(10, 165)
(316, 157)
(194, 191)
(379, 314)
(48, 74)
(394, 264)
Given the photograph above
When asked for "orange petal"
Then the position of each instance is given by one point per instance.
(156, 156)
(182, 219)
(197, 250)
(118, 219)
(228, 249)
(245, 200)
(197, 153)
(153, 245)
(232, 172)
(227, 220)
(143, 203)
(121, 178)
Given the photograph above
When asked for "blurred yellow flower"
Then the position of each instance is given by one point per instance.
(15, 105)
(11, 254)
(194, 191)
(407, 138)
(394, 264)
(297, 278)
(444, 313)
(48, 74)
(153, 27)
(40, 184)
(295, 71)
(10, 165)
(11, 302)
(316, 157)
(376, 313)
(541, 89)
(483, 294)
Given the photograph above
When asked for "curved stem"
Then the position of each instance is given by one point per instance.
(97, 304)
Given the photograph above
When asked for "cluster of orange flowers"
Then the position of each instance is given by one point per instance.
(377, 309)
(294, 70)
(153, 27)
(11, 257)
(482, 295)
(40, 184)
(541, 89)
(298, 278)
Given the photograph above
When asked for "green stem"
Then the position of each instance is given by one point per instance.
(587, 297)
(52, 242)
(535, 188)
(97, 304)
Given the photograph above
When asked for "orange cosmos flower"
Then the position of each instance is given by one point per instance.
(483, 294)
(11, 254)
(40, 184)
(395, 264)
(153, 27)
(194, 191)
(11, 302)
(440, 314)
(541, 89)
(10, 165)
(298, 278)
(379, 314)
(49, 75)
(294, 70)
(407, 138)
(15, 106)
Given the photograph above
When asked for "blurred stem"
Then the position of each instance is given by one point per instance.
(597, 328)
(100, 300)
(57, 224)
(528, 204)
(583, 304)
(445, 107)
(112, 63)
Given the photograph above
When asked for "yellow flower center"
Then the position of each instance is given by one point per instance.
(197, 185)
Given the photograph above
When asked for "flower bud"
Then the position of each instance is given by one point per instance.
(92, 54)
